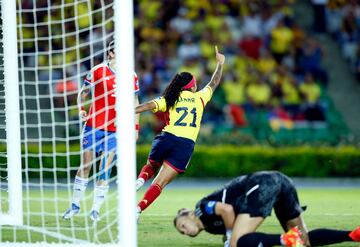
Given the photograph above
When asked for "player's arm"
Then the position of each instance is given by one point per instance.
(137, 117)
(83, 95)
(227, 213)
(215, 79)
(150, 105)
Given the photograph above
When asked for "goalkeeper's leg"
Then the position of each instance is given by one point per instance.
(102, 184)
(80, 184)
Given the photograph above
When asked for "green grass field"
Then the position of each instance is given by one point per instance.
(331, 208)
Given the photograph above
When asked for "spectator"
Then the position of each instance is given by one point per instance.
(310, 60)
(281, 38)
(259, 93)
(234, 90)
(189, 49)
(311, 93)
(181, 23)
(319, 17)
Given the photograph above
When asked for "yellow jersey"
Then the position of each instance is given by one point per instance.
(184, 118)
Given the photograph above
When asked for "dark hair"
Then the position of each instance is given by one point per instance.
(182, 212)
(173, 90)
(110, 47)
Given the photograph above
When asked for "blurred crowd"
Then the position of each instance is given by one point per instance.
(343, 23)
(272, 65)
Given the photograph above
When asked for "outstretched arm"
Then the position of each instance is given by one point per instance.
(215, 79)
(150, 105)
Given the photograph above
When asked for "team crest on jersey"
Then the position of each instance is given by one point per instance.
(85, 141)
(89, 76)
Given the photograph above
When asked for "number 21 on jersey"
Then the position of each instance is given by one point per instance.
(184, 111)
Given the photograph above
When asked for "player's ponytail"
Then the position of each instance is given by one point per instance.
(173, 90)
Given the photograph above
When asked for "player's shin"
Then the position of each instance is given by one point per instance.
(80, 185)
(320, 237)
(259, 239)
(150, 196)
(102, 186)
(146, 173)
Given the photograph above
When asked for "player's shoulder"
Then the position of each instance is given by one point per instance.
(205, 90)
(100, 66)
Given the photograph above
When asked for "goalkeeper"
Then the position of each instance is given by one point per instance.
(172, 149)
(98, 137)
(240, 207)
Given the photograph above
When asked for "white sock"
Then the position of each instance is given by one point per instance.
(139, 183)
(100, 192)
(79, 189)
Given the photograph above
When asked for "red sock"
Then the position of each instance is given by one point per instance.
(151, 194)
(147, 172)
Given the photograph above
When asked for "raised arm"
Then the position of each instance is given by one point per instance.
(215, 79)
(150, 105)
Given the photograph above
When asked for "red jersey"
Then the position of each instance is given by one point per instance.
(102, 112)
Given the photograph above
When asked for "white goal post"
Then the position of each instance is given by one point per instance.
(39, 135)
(12, 116)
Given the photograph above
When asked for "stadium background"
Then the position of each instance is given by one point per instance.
(289, 98)
(238, 135)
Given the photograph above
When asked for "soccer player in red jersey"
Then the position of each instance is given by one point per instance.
(98, 137)
(171, 150)
(239, 208)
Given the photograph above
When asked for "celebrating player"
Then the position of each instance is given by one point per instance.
(98, 137)
(239, 208)
(172, 149)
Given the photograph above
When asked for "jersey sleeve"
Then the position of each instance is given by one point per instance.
(207, 207)
(205, 94)
(160, 103)
(136, 83)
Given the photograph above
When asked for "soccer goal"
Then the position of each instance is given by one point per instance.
(47, 48)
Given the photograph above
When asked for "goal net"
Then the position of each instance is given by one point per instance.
(58, 42)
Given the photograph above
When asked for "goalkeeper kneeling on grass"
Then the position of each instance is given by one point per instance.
(240, 207)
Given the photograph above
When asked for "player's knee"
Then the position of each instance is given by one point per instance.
(153, 164)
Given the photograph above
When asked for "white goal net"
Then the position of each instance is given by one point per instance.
(58, 42)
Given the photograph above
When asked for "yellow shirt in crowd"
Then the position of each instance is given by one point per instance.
(311, 91)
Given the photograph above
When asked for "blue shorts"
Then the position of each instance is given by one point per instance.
(173, 150)
(98, 140)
